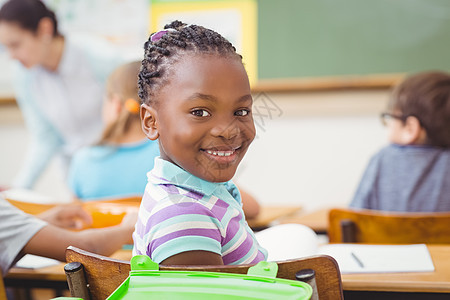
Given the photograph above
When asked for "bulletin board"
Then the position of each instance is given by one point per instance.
(236, 20)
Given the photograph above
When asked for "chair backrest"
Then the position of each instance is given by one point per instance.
(369, 226)
(103, 275)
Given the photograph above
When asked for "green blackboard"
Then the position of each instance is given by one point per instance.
(316, 38)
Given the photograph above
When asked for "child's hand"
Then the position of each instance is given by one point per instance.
(129, 222)
(130, 219)
(71, 216)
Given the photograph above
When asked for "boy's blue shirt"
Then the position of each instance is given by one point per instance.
(406, 178)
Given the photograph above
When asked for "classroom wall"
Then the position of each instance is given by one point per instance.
(311, 151)
(316, 151)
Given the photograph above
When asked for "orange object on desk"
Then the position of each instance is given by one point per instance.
(105, 214)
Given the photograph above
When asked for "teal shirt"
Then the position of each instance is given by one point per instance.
(180, 212)
(100, 172)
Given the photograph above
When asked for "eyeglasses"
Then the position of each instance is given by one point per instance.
(385, 117)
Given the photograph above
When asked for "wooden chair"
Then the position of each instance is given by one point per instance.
(102, 275)
(375, 227)
(2, 288)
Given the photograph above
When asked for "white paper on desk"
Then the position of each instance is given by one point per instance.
(380, 258)
(30, 261)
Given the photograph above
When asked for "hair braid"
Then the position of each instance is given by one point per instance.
(163, 53)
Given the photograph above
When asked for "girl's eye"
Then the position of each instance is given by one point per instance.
(200, 113)
(242, 112)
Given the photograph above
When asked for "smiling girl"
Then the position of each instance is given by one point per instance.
(196, 101)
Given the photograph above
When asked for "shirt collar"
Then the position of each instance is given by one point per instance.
(165, 172)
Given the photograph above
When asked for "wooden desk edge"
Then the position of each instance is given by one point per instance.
(36, 274)
(439, 253)
(308, 84)
(407, 286)
(264, 218)
(317, 220)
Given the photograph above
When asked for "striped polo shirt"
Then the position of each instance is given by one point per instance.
(181, 212)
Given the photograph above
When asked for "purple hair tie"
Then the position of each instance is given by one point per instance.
(158, 35)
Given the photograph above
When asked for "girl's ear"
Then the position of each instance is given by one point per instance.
(148, 122)
(413, 132)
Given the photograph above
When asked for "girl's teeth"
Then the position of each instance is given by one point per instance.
(220, 153)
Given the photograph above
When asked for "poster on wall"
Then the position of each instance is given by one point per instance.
(123, 23)
(235, 20)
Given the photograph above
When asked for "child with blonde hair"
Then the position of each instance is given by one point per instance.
(117, 166)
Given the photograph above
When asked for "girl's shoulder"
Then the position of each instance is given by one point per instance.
(93, 152)
(142, 145)
(134, 151)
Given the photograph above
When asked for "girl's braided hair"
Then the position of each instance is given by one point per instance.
(160, 55)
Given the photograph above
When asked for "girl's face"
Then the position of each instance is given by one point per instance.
(203, 117)
(23, 45)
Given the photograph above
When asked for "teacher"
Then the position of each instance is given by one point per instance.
(58, 85)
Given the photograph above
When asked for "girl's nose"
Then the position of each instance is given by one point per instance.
(227, 130)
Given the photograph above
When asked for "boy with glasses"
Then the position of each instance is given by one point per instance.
(412, 174)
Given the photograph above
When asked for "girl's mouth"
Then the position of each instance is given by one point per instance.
(220, 153)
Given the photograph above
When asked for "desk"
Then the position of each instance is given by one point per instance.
(110, 212)
(436, 283)
(7, 97)
(433, 282)
(270, 213)
(316, 220)
(49, 277)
